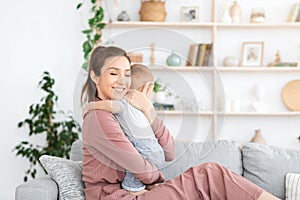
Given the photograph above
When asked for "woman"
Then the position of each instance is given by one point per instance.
(107, 153)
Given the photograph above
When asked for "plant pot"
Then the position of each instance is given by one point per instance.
(159, 97)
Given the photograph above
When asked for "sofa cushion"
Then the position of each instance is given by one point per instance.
(189, 154)
(267, 166)
(67, 174)
(42, 188)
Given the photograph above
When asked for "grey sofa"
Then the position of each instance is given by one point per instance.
(264, 165)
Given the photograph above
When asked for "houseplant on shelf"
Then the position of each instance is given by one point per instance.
(93, 33)
(159, 92)
(42, 120)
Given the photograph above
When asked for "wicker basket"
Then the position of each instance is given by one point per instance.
(152, 11)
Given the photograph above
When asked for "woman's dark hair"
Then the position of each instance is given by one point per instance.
(97, 61)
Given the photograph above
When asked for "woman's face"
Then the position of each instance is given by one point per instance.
(115, 78)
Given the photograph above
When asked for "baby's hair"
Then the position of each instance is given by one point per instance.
(140, 74)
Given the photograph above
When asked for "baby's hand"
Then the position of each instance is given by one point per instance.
(90, 106)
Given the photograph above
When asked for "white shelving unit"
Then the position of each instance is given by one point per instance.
(215, 31)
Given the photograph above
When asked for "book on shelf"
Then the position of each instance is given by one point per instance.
(294, 15)
(200, 54)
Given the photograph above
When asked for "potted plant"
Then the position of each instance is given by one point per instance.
(159, 92)
(93, 33)
(42, 121)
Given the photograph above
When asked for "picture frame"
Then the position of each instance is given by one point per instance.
(189, 14)
(252, 54)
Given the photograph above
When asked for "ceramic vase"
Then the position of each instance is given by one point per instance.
(123, 16)
(173, 60)
(226, 17)
(258, 137)
(159, 97)
(231, 61)
(235, 12)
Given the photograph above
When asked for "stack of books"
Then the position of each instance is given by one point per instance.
(200, 55)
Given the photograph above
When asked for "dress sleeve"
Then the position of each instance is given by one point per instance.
(104, 135)
(165, 139)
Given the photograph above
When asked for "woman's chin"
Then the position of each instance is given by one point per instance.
(117, 96)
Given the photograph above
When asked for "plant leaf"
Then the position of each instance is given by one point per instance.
(78, 5)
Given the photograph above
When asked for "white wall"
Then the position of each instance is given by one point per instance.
(46, 35)
(35, 36)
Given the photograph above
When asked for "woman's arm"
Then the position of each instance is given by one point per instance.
(102, 135)
(112, 106)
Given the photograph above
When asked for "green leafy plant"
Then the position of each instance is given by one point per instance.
(42, 120)
(93, 33)
(158, 87)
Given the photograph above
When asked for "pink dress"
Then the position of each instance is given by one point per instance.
(107, 153)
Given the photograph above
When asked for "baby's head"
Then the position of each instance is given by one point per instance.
(140, 74)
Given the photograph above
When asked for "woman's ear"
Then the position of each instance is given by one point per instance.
(94, 77)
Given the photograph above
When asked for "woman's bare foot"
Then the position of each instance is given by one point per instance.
(138, 193)
(267, 196)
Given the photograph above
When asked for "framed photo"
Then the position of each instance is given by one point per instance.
(252, 54)
(189, 14)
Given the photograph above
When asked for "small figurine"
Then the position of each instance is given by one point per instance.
(152, 56)
(276, 61)
(277, 57)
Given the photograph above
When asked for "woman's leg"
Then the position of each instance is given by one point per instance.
(207, 181)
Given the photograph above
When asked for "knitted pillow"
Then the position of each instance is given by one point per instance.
(292, 186)
(67, 174)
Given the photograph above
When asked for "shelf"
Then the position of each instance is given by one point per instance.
(268, 114)
(258, 25)
(182, 68)
(226, 69)
(258, 69)
(237, 114)
(137, 24)
(178, 112)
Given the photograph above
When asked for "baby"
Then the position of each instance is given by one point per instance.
(135, 125)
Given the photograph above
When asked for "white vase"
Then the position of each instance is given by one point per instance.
(226, 17)
(235, 12)
(159, 97)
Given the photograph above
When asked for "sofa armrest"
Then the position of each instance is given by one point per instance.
(43, 188)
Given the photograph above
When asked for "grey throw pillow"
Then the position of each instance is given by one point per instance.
(267, 166)
(67, 174)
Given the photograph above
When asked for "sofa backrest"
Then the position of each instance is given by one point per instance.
(76, 150)
(191, 154)
(267, 166)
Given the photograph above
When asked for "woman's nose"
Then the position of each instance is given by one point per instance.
(122, 79)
